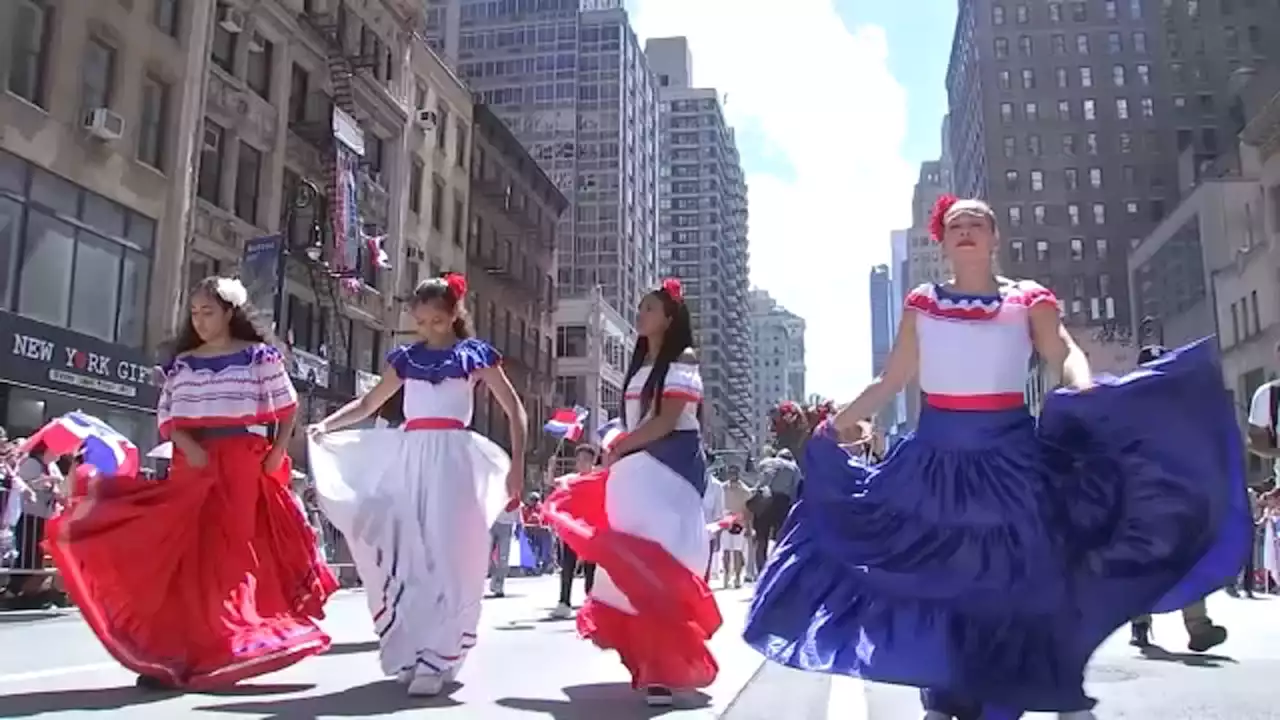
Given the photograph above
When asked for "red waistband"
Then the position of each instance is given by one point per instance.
(991, 401)
(435, 423)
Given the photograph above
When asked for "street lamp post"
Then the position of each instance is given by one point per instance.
(304, 195)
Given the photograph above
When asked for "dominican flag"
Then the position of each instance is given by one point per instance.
(104, 448)
(609, 434)
(567, 424)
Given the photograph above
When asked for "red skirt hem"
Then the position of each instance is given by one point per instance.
(664, 643)
(201, 580)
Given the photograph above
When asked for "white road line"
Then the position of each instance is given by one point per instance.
(55, 672)
(848, 699)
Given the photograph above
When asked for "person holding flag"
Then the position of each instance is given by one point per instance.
(584, 458)
(640, 517)
(211, 576)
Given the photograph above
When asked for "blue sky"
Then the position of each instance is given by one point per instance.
(836, 103)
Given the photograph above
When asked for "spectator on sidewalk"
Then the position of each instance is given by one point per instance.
(500, 551)
(584, 458)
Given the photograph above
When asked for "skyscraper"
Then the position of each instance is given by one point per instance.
(702, 231)
(574, 88)
(883, 305)
(779, 364)
(1058, 119)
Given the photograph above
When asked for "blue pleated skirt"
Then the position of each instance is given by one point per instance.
(987, 556)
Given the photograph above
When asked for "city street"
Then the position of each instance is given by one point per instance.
(527, 667)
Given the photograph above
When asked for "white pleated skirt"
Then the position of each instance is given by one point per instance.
(415, 508)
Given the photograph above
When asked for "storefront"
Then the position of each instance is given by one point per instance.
(46, 371)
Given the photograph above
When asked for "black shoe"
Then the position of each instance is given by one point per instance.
(658, 697)
(1140, 635)
(1206, 638)
(148, 682)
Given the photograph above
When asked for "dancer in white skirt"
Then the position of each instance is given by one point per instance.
(640, 518)
(415, 503)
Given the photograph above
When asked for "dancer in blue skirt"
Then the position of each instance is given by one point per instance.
(988, 556)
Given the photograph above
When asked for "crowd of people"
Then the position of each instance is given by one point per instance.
(982, 559)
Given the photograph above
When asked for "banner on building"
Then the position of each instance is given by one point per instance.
(260, 272)
(348, 150)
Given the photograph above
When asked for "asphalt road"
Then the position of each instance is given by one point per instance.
(527, 667)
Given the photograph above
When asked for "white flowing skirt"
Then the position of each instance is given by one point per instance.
(415, 508)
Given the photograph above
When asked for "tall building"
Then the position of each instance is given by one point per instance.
(511, 253)
(1208, 47)
(778, 359)
(1059, 118)
(883, 308)
(946, 162)
(925, 261)
(593, 347)
(574, 88)
(702, 232)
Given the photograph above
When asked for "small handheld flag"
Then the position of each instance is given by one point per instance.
(609, 434)
(566, 423)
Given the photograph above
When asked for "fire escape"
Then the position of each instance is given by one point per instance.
(325, 271)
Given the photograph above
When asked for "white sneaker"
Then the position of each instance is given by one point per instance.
(562, 612)
(404, 677)
(426, 684)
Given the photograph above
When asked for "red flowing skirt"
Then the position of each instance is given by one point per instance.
(664, 643)
(200, 580)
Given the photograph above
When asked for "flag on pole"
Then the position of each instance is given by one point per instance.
(104, 448)
(567, 423)
(609, 434)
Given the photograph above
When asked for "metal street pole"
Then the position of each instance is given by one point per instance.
(303, 196)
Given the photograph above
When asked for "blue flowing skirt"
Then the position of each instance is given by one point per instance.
(989, 557)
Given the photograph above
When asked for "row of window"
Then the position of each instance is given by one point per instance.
(1120, 77)
(1246, 321)
(30, 57)
(1088, 110)
(72, 258)
(1077, 11)
(1082, 44)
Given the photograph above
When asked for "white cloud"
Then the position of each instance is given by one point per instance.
(824, 99)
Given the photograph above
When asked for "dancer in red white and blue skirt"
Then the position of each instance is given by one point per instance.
(640, 518)
(415, 504)
(988, 556)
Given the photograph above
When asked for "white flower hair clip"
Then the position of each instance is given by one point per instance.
(232, 291)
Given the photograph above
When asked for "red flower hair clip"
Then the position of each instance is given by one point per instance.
(938, 216)
(457, 285)
(673, 289)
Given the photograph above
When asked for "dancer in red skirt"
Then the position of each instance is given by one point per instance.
(210, 576)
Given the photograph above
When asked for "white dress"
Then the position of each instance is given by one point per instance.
(415, 504)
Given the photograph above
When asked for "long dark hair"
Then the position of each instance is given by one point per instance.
(245, 324)
(450, 290)
(675, 340)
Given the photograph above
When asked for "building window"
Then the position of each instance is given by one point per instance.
(1139, 42)
(417, 174)
(1144, 74)
(1033, 145)
(459, 223)
(1148, 106)
(1037, 180)
(1100, 249)
(1028, 79)
(1031, 110)
(1115, 45)
(212, 155)
(1011, 180)
(1089, 109)
(1109, 9)
(299, 90)
(1069, 144)
(1060, 75)
(1016, 251)
(437, 203)
(442, 125)
(1073, 214)
(1006, 112)
(1005, 78)
(1058, 44)
(1091, 143)
(571, 341)
(1079, 12)
(460, 144)
(1122, 108)
(1055, 12)
(1071, 178)
(1118, 76)
(1001, 47)
(1082, 44)
(248, 178)
(1064, 109)
(84, 262)
(1015, 216)
(1010, 147)
(997, 15)
(1042, 251)
(97, 76)
(223, 52)
(1125, 141)
(151, 122)
(1023, 14)
(1086, 77)
(29, 50)
(1099, 214)
(1024, 46)
(257, 74)
(1077, 249)
(1095, 178)
(1038, 214)
(165, 15)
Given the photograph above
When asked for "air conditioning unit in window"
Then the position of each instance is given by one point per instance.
(103, 124)
(230, 18)
(211, 141)
(257, 43)
(427, 119)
